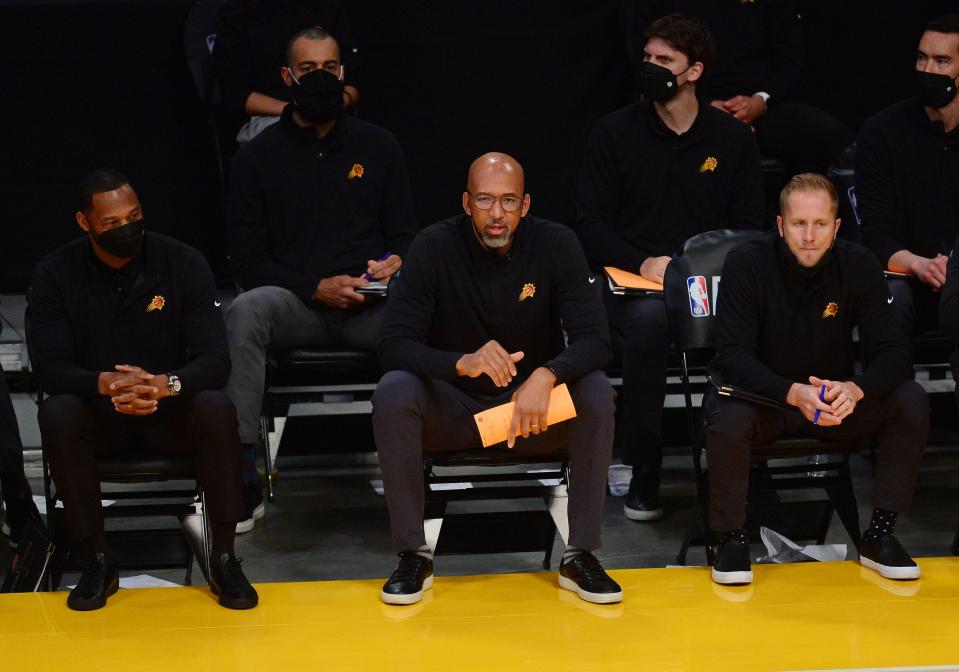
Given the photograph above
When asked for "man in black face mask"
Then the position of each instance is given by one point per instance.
(907, 180)
(655, 174)
(129, 343)
(790, 301)
(319, 206)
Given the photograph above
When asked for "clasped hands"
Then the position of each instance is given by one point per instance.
(132, 390)
(838, 402)
(531, 399)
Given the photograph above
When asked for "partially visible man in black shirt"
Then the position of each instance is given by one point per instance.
(758, 76)
(319, 205)
(907, 180)
(129, 343)
(655, 174)
(476, 320)
(790, 303)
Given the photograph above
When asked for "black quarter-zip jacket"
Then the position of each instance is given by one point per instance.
(644, 190)
(777, 326)
(907, 182)
(452, 297)
(86, 319)
(302, 208)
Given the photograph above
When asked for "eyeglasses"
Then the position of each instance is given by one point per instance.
(509, 203)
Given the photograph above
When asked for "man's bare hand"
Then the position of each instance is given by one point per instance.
(806, 399)
(382, 271)
(531, 405)
(842, 396)
(110, 383)
(491, 359)
(131, 403)
(654, 268)
(930, 271)
(339, 291)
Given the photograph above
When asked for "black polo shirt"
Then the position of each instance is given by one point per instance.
(907, 182)
(302, 208)
(86, 318)
(778, 325)
(452, 297)
(644, 190)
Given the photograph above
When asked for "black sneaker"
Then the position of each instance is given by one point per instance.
(413, 575)
(887, 557)
(732, 567)
(98, 581)
(253, 507)
(642, 500)
(228, 582)
(583, 575)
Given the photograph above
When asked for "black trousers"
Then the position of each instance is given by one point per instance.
(804, 137)
(76, 431)
(11, 449)
(900, 421)
(640, 332)
(412, 415)
(916, 308)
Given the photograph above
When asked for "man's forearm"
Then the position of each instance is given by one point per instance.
(263, 105)
(903, 261)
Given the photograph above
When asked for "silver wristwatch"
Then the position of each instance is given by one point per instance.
(173, 384)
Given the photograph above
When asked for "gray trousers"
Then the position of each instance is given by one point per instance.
(412, 415)
(274, 319)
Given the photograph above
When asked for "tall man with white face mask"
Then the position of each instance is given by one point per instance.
(656, 173)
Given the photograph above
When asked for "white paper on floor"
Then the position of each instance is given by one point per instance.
(780, 549)
(619, 477)
(41, 503)
(142, 581)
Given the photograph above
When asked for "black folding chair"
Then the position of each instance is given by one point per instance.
(702, 261)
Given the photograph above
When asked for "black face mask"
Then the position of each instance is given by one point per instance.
(657, 83)
(318, 96)
(124, 242)
(935, 90)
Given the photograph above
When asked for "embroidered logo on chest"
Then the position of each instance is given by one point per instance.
(709, 165)
(356, 171)
(832, 309)
(157, 303)
(529, 290)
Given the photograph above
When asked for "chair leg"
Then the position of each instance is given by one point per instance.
(844, 500)
(205, 526)
(267, 457)
(955, 542)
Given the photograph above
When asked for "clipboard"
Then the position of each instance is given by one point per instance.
(743, 395)
(625, 283)
(493, 424)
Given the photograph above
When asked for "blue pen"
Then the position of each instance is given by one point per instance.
(367, 276)
(822, 397)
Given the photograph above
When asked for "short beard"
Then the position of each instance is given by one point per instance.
(496, 242)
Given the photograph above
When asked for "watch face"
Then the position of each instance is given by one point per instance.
(175, 383)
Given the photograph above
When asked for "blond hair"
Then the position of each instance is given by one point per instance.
(809, 182)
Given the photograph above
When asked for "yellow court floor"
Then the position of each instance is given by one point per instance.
(794, 617)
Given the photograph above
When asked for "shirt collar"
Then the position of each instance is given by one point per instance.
(660, 128)
(336, 138)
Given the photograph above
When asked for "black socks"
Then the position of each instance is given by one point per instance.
(883, 524)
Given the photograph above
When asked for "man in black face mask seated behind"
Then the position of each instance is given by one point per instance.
(789, 305)
(129, 343)
(655, 174)
(907, 180)
(319, 205)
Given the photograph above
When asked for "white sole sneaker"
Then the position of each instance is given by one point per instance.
(595, 598)
(894, 573)
(409, 598)
(643, 516)
(245, 526)
(732, 578)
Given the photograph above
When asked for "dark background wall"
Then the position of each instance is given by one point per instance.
(87, 83)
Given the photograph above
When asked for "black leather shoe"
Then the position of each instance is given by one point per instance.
(732, 567)
(228, 582)
(887, 557)
(413, 575)
(98, 581)
(642, 500)
(583, 575)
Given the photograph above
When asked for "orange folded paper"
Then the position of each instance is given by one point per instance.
(493, 424)
(629, 280)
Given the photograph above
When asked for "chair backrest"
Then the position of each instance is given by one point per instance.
(843, 175)
(199, 36)
(691, 286)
